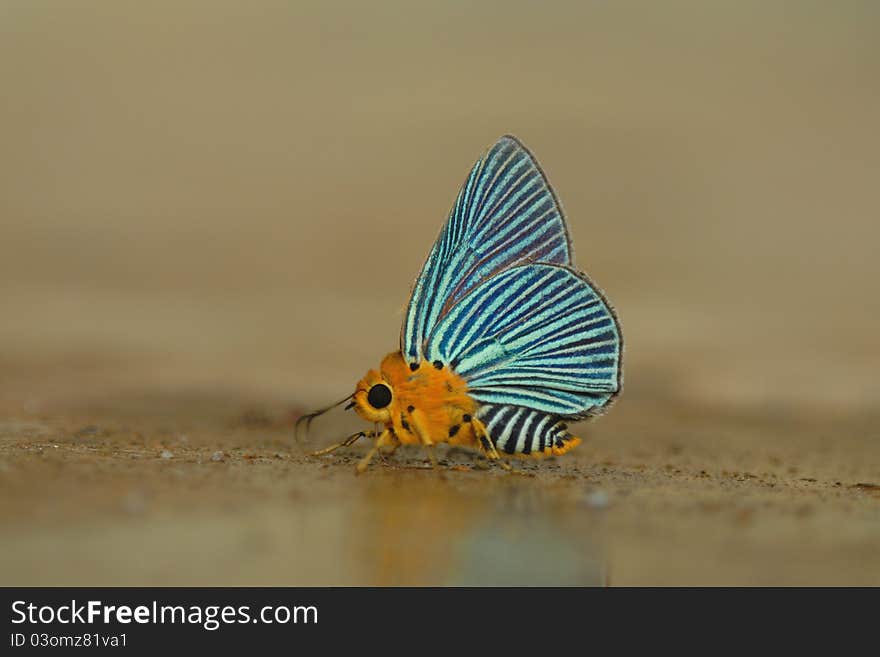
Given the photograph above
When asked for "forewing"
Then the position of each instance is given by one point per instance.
(505, 213)
(539, 336)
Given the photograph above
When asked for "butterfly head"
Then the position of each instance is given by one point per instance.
(374, 398)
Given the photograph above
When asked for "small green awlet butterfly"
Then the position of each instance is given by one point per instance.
(504, 339)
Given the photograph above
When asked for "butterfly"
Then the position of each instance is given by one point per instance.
(504, 340)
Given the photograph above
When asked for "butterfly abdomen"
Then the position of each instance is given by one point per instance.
(519, 431)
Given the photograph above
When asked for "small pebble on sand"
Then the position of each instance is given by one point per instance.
(217, 456)
(166, 454)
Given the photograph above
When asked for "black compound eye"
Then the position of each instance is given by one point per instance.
(379, 396)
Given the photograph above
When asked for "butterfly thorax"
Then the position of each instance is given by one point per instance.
(425, 403)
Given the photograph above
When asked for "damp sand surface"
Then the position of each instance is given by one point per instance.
(212, 491)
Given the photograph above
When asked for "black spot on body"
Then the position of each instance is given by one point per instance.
(413, 367)
(410, 409)
(438, 364)
(453, 430)
(465, 418)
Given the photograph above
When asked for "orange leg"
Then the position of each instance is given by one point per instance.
(486, 446)
(420, 431)
(386, 439)
(352, 439)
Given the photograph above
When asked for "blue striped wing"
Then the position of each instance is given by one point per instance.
(505, 213)
(538, 336)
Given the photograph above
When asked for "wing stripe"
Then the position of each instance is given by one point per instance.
(441, 290)
(516, 235)
(473, 314)
(492, 263)
(564, 337)
(472, 367)
(530, 300)
(560, 402)
(535, 378)
(553, 324)
(552, 294)
(539, 330)
(450, 235)
(486, 190)
(509, 193)
(504, 213)
(495, 259)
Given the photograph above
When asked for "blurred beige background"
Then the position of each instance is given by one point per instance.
(251, 187)
(233, 198)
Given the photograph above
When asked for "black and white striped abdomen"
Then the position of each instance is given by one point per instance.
(519, 430)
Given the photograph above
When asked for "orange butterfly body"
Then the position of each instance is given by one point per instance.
(428, 405)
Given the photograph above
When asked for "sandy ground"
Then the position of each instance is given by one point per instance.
(188, 489)
(210, 229)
